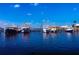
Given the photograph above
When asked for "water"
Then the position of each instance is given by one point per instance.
(39, 43)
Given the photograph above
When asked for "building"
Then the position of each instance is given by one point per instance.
(76, 27)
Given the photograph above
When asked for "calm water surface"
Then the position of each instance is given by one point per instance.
(39, 43)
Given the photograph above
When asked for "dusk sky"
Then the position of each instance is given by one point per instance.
(52, 13)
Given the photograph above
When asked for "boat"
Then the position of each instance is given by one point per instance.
(45, 29)
(19, 30)
(11, 29)
(53, 29)
(25, 28)
(69, 29)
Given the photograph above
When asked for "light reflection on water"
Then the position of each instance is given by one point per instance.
(69, 35)
(53, 35)
(25, 36)
(37, 41)
(45, 36)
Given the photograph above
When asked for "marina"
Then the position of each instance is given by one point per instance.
(39, 29)
(45, 29)
(46, 39)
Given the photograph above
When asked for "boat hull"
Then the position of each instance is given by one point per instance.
(26, 30)
(46, 31)
(69, 31)
(54, 31)
(11, 31)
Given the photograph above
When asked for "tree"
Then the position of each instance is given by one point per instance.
(74, 21)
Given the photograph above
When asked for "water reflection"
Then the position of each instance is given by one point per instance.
(50, 35)
(25, 36)
(53, 35)
(25, 42)
(76, 34)
(11, 40)
(10, 36)
(69, 35)
(2, 39)
(45, 36)
(73, 35)
(40, 41)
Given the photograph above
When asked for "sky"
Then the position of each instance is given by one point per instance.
(39, 13)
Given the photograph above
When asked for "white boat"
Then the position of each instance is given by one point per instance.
(45, 29)
(69, 29)
(25, 28)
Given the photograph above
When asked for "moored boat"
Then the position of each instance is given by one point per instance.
(45, 30)
(25, 28)
(69, 29)
(11, 29)
(53, 29)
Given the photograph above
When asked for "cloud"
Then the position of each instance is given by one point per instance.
(36, 4)
(29, 14)
(16, 5)
(42, 13)
(74, 9)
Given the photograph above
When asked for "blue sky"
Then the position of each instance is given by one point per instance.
(37, 13)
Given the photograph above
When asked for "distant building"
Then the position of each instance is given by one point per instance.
(76, 27)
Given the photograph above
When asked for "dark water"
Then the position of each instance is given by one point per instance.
(35, 43)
